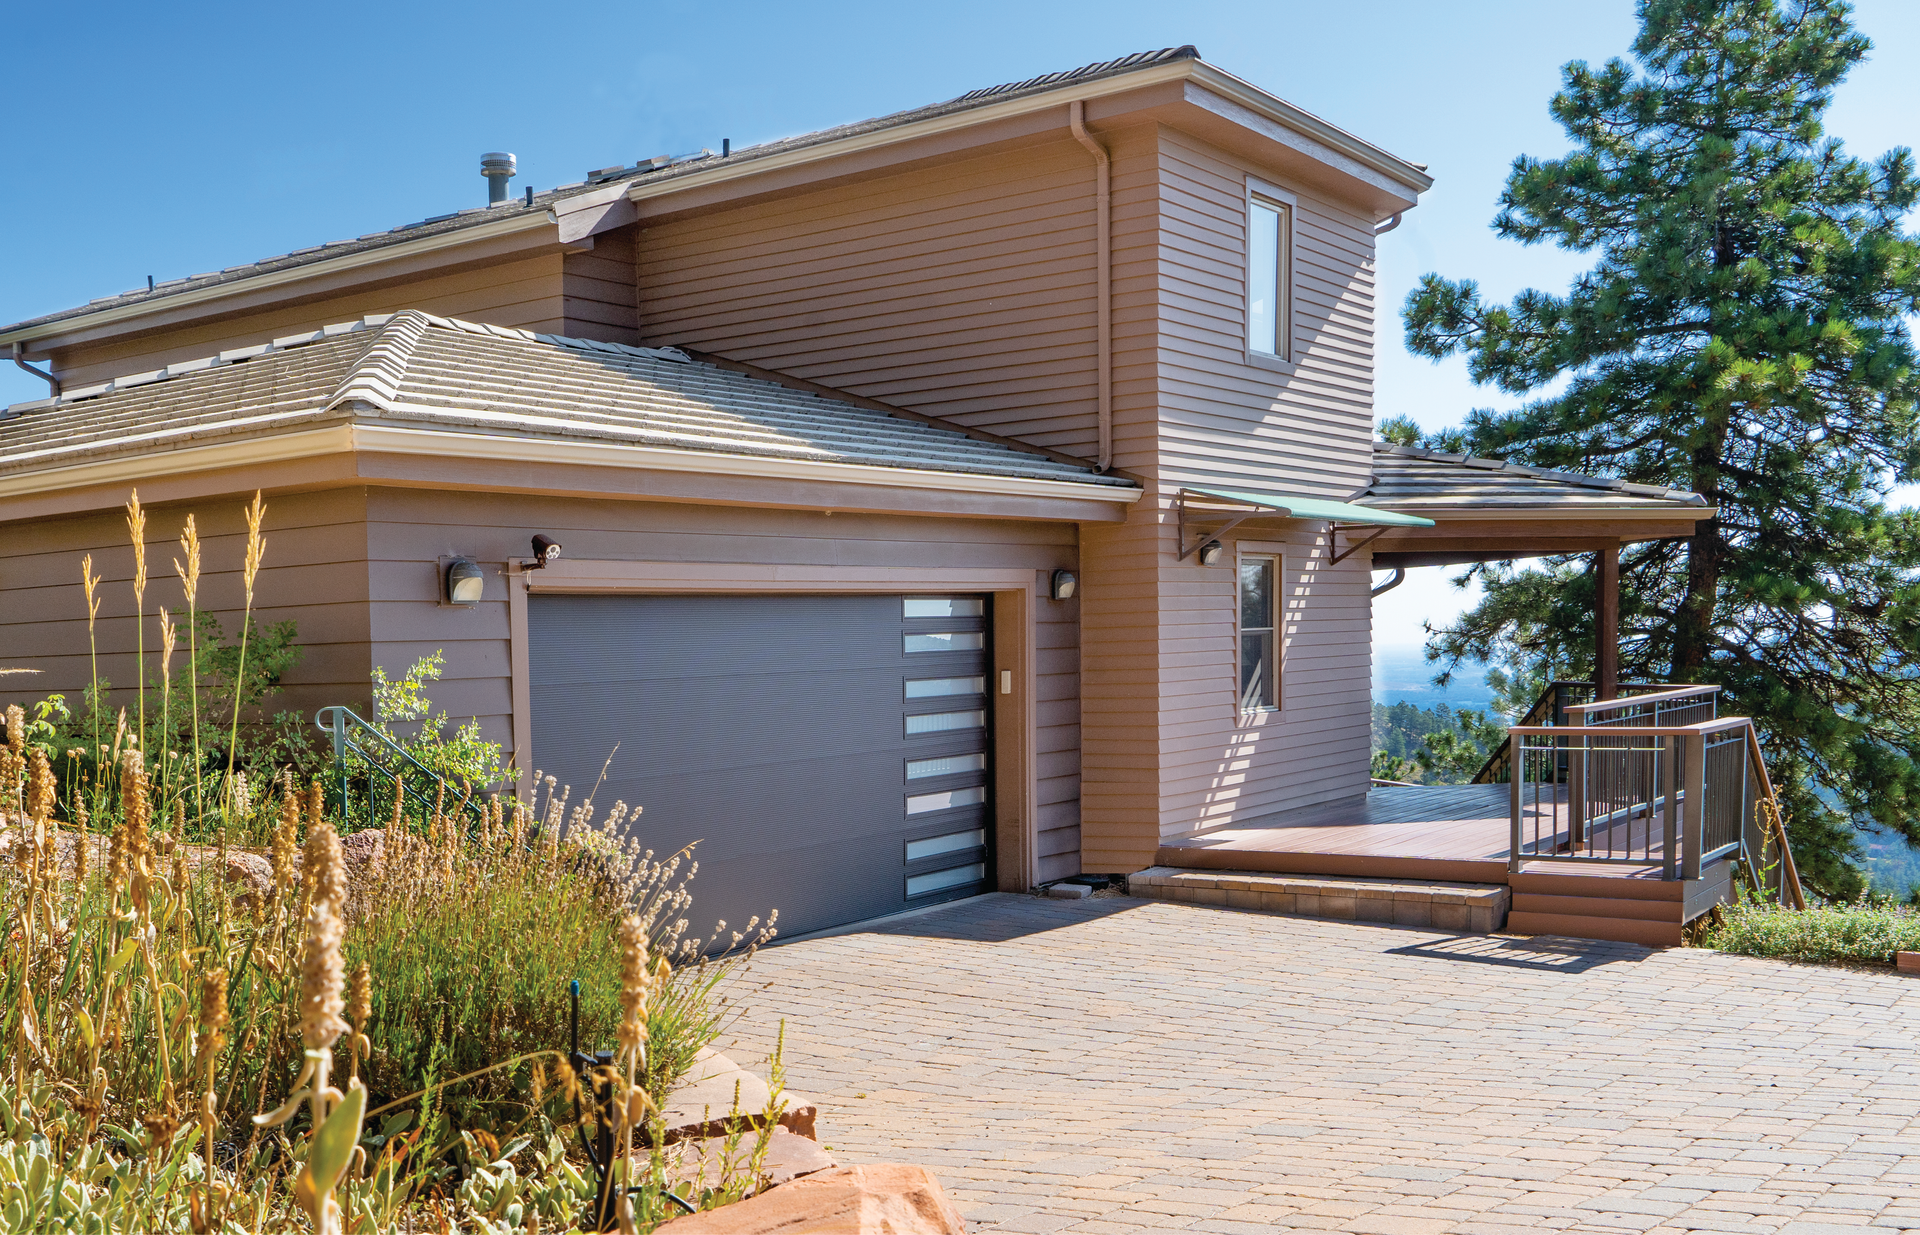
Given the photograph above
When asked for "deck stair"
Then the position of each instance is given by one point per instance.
(1477, 908)
(1634, 908)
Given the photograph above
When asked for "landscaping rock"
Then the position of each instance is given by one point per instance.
(364, 853)
(800, 1116)
(883, 1199)
(252, 873)
(715, 1097)
(788, 1158)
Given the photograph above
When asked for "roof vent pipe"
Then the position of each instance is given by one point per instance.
(498, 167)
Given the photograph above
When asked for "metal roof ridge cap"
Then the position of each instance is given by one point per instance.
(34, 327)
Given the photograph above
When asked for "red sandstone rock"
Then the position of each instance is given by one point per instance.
(883, 1199)
(788, 1158)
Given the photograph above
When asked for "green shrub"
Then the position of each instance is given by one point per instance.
(1856, 932)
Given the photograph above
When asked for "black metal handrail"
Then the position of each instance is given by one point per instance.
(342, 724)
(1549, 709)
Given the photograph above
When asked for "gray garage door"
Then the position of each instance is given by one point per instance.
(828, 753)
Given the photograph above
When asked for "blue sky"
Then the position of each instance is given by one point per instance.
(180, 138)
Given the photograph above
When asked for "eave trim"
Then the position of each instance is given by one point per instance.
(277, 278)
(1225, 84)
(383, 439)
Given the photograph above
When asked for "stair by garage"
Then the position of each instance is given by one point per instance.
(1477, 908)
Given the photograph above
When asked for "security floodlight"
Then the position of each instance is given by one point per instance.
(546, 550)
(465, 581)
(1064, 584)
(1210, 552)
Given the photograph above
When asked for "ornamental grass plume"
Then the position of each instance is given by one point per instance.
(335, 1116)
(256, 549)
(137, 532)
(208, 1043)
(190, 584)
(359, 1011)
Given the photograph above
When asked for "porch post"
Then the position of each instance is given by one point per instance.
(1606, 626)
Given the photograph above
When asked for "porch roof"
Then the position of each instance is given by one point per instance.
(1410, 479)
(1487, 510)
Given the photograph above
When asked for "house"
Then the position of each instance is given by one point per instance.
(973, 497)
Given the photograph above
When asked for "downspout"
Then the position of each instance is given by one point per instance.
(1103, 260)
(19, 358)
(1399, 577)
(1390, 224)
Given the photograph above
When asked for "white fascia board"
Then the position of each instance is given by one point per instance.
(1246, 95)
(292, 274)
(384, 439)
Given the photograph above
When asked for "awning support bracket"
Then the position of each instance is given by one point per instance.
(1352, 549)
(1202, 540)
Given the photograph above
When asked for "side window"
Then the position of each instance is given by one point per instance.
(1269, 277)
(1259, 632)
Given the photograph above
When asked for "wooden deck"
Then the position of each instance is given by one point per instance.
(1458, 834)
(1452, 832)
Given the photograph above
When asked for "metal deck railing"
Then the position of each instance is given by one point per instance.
(1654, 780)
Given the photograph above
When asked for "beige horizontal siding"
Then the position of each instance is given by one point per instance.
(963, 290)
(409, 530)
(526, 293)
(312, 574)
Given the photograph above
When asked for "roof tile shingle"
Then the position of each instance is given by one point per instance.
(414, 369)
(1413, 480)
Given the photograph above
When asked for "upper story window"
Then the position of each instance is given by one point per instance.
(1269, 273)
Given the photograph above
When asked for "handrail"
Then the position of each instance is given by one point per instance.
(1716, 725)
(1624, 701)
(339, 721)
(1787, 864)
(1499, 759)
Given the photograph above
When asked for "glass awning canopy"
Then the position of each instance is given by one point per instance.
(1284, 505)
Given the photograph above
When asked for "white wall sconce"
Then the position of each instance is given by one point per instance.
(1064, 584)
(465, 581)
(1210, 553)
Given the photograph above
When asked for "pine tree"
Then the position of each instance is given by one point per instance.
(1740, 334)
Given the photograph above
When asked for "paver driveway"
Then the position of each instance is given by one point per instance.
(1121, 1065)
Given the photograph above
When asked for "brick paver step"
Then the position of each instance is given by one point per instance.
(1480, 908)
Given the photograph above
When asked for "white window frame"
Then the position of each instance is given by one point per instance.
(1277, 555)
(1289, 206)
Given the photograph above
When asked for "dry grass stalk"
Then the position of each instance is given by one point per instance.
(256, 551)
(137, 532)
(190, 584)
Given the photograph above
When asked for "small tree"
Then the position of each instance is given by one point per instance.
(1741, 334)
